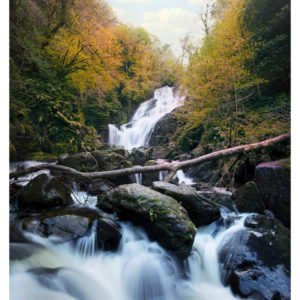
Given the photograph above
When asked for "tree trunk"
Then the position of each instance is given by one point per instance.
(172, 167)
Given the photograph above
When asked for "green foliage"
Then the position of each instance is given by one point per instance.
(73, 69)
(238, 79)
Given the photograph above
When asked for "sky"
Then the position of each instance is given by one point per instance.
(169, 20)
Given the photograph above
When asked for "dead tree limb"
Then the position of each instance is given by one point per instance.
(172, 167)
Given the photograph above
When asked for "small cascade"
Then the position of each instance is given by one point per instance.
(138, 270)
(138, 178)
(82, 198)
(87, 245)
(182, 178)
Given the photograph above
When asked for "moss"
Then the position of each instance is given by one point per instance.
(41, 156)
(285, 163)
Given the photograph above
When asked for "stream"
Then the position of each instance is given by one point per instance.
(139, 269)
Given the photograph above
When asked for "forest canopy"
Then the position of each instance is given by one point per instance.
(74, 68)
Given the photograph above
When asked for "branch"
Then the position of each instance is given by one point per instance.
(171, 167)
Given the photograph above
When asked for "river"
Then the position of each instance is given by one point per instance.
(139, 269)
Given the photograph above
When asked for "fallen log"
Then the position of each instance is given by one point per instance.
(172, 167)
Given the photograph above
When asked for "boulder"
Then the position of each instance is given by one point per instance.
(164, 129)
(208, 172)
(219, 196)
(97, 187)
(140, 155)
(200, 210)
(73, 223)
(248, 198)
(255, 261)
(45, 191)
(83, 162)
(111, 159)
(274, 183)
(164, 219)
(160, 152)
(64, 227)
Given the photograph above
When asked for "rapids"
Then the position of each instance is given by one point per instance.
(139, 270)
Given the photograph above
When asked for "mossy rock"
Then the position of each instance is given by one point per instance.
(201, 212)
(111, 160)
(274, 183)
(83, 162)
(249, 199)
(41, 156)
(164, 219)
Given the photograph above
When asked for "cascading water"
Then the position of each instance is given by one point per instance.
(137, 132)
(138, 270)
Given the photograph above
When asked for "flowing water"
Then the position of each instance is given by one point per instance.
(138, 130)
(138, 270)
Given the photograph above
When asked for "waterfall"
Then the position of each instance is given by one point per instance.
(138, 270)
(137, 131)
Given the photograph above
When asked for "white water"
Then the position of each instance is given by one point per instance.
(139, 270)
(137, 132)
(15, 166)
(82, 198)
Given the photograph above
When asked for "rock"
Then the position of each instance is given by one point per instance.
(208, 172)
(164, 129)
(256, 260)
(220, 196)
(97, 187)
(16, 234)
(274, 183)
(164, 219)
(200, 211)
(111, 160)
(160, 152)
(73, 223)
(140, 155)
(248, 198)
(45, 191)
(19, 251)
(63, 227)
(83, 162)
(148, 178)
(14, 192)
